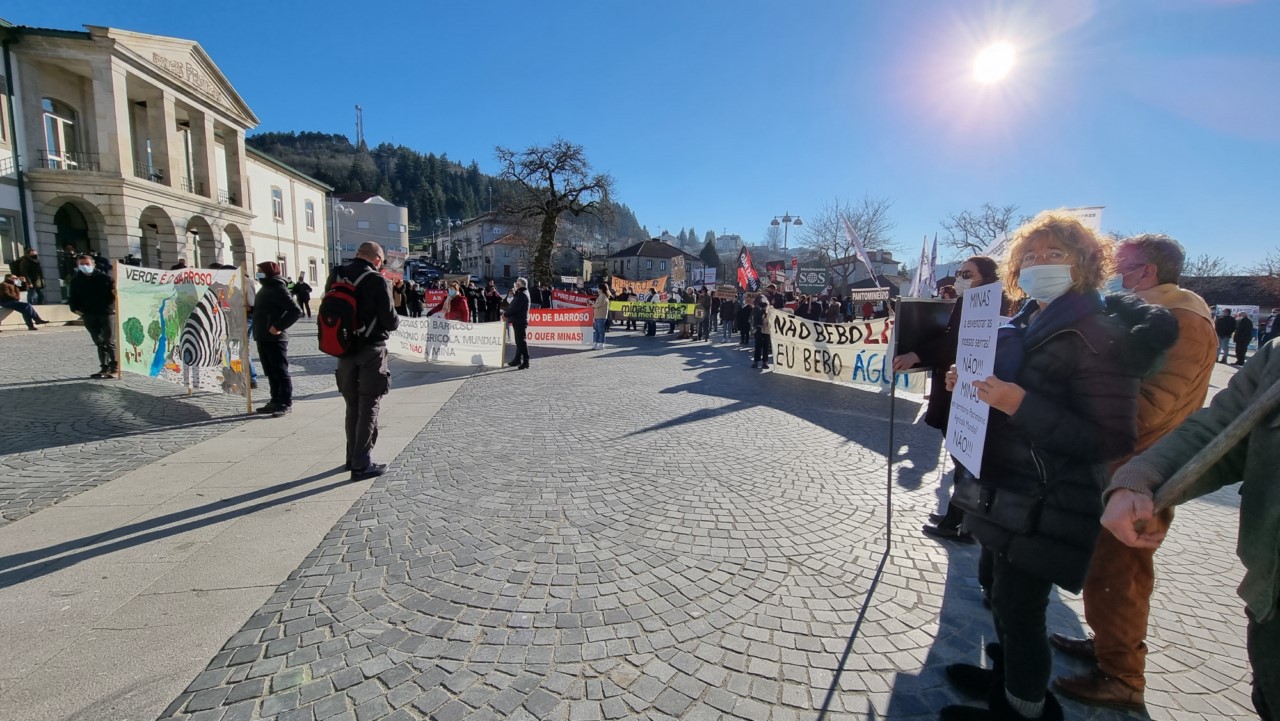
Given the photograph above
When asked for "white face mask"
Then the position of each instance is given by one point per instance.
(962, 284)
(86, 269)
(262, 276)
(1045, 282)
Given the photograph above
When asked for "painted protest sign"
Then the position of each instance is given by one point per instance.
(639, 287)
(569, 299)
(560, 327)
(651, 311)
(453, 342)
(855, 353)
(975, 360)
(185, 326)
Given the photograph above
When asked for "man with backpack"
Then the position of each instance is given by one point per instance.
(356, 317)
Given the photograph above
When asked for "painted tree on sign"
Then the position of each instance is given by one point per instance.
(153, 332)
(134, 334)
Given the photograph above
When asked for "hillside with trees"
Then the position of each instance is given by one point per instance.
(431, 186)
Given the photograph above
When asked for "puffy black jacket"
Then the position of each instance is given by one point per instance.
(92, 294)
(518, 312)
(1225, 325)
(273, 307)
(373, 299)
(1079, 412)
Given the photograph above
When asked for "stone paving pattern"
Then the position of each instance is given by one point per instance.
(656, 531)
(68, 433)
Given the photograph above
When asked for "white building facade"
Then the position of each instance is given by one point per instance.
(124, 144)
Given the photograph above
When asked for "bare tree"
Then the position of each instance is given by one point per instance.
(1204, 266)
(553, 180)
(773, 237)
(1268, 270)
(824, 231)
(972, 232)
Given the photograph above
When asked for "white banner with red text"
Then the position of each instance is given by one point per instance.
(848, 353)
(569, 299)
(559, 327)
(437, 340)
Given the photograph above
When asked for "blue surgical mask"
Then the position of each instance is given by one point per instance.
(262, 276)
(452, 292)
(1045, 282)
(1115, 284)
(86, 269)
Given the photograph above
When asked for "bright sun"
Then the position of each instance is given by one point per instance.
(993, 63)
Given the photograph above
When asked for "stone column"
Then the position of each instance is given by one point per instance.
(204, 157)
(111, 119)
(237, 171)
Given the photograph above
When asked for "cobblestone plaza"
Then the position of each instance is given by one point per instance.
(652, 531)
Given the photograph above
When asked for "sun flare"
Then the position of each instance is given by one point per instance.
(994, 63)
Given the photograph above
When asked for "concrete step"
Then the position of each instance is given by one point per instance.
(58, 314)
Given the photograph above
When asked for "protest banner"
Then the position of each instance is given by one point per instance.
(433, 298)
(812, 279)
(621, 285)
(855, 353)
(869, 295)
(570, 280)
(452, 342)
(726, 293)
(651, 311)
(560, 327)
(569, 299)
(776, 270)
(186, 326)
(975, 360)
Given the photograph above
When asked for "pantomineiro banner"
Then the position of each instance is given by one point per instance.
(651, 311)
(560, 327)
(187, 326)
(849, 353)
(453, 342)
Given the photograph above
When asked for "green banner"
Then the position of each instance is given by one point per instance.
(652, 311)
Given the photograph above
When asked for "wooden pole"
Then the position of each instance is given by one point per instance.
(119, 329)
(244, 347)
(1171, 492)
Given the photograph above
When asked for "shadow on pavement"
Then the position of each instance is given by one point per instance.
(27, 565)
(87, 411)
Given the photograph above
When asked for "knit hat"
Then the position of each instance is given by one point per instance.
(271, 268)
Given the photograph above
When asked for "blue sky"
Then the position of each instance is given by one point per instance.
(721, 114)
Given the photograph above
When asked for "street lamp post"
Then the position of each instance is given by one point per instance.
(786, 221)
(335, 258)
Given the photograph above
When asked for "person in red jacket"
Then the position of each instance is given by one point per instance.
(454, 305)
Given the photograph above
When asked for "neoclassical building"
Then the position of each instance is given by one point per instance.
(121, 143)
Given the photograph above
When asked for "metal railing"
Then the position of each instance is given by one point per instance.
(7, 166)
(193, 186)
(226, 198)
(69, 161)
(146, 172)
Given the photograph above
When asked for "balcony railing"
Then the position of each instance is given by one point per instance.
(146, 172)
(193, 187)
(7, 166)
(69, 161)
(227, 198)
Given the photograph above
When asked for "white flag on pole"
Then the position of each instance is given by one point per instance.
(917, 281)
(861, 251)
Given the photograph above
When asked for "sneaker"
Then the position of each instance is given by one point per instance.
(268, 408)
(373, 470)
(100, 374)
(281, 411)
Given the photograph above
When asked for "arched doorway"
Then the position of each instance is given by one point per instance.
(72, 229)
(205, 248)
(160, 248)
(235, 240)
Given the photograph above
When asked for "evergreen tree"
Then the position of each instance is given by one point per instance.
(690, 240)
(711, 237)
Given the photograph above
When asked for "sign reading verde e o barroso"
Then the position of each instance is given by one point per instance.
(812, 279)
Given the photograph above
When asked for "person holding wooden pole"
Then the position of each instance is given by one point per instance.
(1118, 587)
(1235, 440)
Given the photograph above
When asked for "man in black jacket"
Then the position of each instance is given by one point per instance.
(1225, 326)
(274, 310)
(1243, 336)
(518, 316)
(93, 298)
(363, 377)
